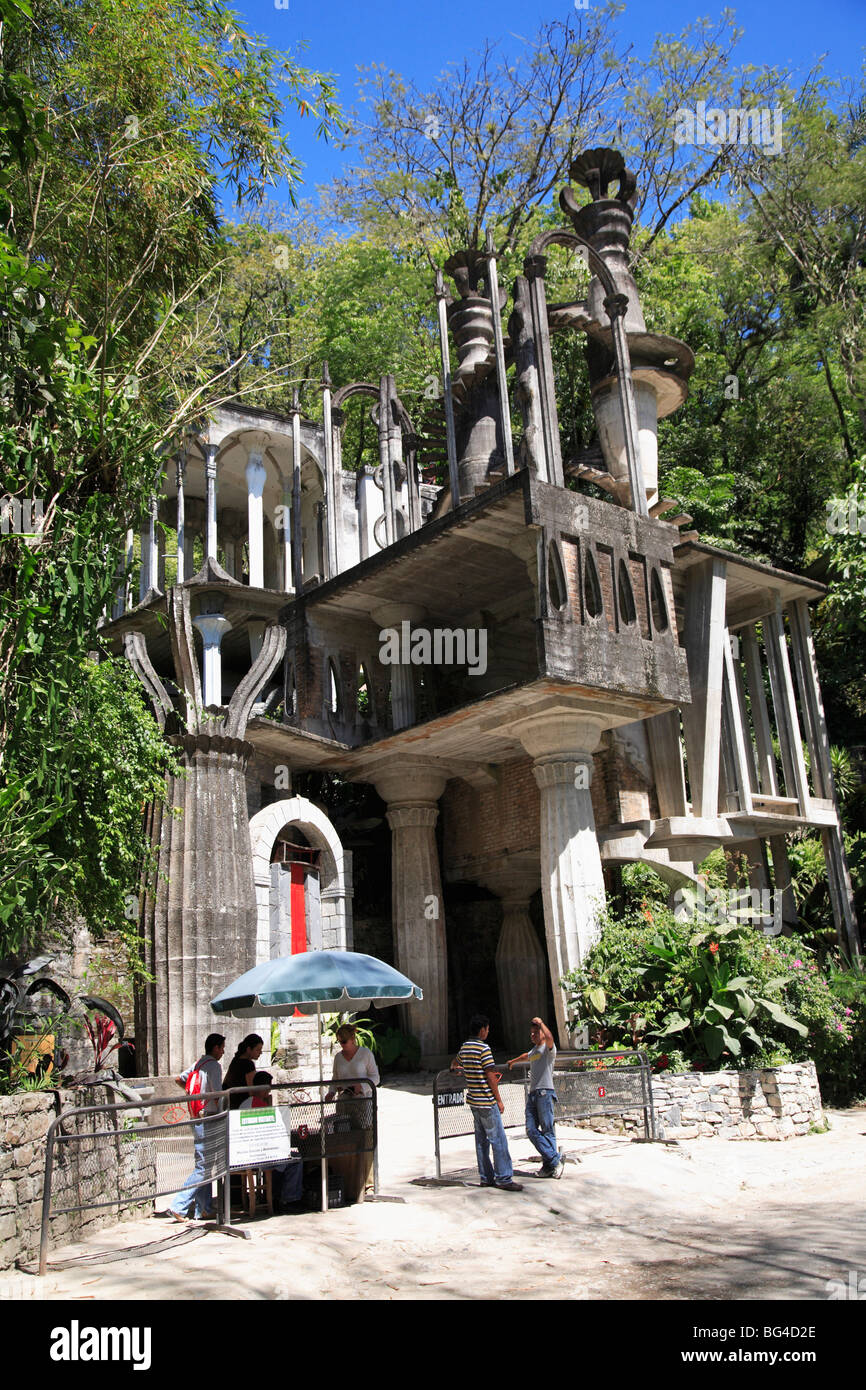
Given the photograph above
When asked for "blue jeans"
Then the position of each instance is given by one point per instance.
(490, 1133)
(540, 1127)
(195, 1189)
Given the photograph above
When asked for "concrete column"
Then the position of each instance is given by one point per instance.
(286, 536)
(561, 745)
(149, 555)
(181, 519)
(210, 471)
(521, 970)
(394, 615)
(121, 595)
(412, 790)
(213, 627)
(256, 474)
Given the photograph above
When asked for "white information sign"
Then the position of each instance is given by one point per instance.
(257, 1138)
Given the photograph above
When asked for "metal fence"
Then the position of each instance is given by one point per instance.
(586, 1084)
(131, 1158)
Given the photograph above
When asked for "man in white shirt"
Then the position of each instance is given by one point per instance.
(196, 1190)
(540, 1128)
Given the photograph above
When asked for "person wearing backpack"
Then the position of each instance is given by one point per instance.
(198, 1081)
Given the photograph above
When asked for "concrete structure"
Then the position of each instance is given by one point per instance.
(577, 682)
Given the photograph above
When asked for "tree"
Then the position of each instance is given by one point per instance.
(120, 118)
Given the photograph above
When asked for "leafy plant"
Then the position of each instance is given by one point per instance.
(365, 1029)
(697, 994)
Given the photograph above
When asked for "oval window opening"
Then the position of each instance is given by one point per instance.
(627, 610)
(555, 578)
(658, 605)
(592, 588)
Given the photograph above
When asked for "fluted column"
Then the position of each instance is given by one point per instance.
(213, 627)
(412, 790)
(561, 746)
(521, 970)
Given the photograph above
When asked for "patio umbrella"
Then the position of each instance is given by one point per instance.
(311, 980)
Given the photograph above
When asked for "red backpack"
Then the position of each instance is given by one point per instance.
(196, 1083)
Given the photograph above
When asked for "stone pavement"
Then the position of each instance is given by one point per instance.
(709, 1219)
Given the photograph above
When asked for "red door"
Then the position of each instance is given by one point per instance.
(299, 915)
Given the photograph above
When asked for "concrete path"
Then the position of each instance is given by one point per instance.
(707, 1219)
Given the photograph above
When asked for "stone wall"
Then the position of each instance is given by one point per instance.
(773, 1103)
(24, 1122)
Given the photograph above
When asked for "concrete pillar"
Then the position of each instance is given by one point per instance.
(256, 475)
(149, 555)
(181, 519)
(121, 593)
(412, 789)
(210, 472)
(521, 970)
(561, 744)
(394, 615)
(213, 627)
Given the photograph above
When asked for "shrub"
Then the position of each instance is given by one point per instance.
(694, 994)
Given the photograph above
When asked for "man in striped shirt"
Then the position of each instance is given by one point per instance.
(475, 1060)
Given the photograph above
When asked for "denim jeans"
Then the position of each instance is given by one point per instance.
(490, 1133)
(195, 1189)
(540, 1126)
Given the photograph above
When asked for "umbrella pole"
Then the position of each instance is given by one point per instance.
(322, 1114)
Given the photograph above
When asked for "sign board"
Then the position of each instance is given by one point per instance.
(257, 1138)
(446, 1098)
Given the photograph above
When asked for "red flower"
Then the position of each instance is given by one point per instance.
(714, 948)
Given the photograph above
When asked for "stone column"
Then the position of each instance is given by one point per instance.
(121, 593)
(213, 627)
(561, 745)
(256, 474)
(148, 581)
(412, 790)
(520, 964)
(181, 519)
(210, 470)
(393, 615)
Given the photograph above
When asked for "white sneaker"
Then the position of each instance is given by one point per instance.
(558, 1170)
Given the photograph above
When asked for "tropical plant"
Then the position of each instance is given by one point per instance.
(720, 994)
(365, 1029)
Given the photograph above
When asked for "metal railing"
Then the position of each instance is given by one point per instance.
(128, 1155)
(586, 1083)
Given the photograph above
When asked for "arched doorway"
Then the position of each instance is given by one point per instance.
(313, 857)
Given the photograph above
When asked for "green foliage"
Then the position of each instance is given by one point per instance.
(365, 1029)
(706, 996)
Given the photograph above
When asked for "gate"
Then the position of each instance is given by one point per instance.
(586, 1084)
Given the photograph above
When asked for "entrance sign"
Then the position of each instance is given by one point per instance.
(257, 1138)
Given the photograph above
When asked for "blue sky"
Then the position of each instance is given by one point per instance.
(419, 39)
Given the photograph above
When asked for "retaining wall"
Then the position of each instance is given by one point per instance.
(24, 1122)
(773, 1103)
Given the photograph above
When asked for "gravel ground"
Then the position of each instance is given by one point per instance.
(708, 1219)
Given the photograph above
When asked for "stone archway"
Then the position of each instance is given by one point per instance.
(335, 870)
